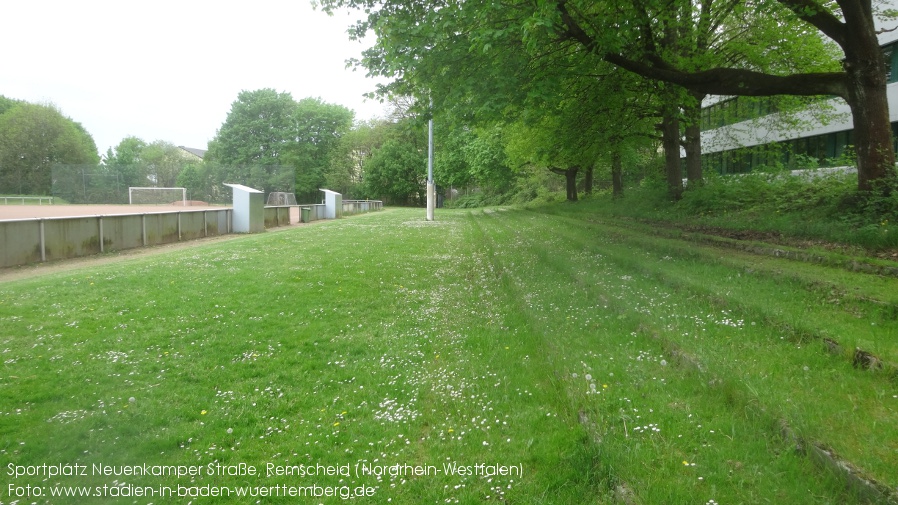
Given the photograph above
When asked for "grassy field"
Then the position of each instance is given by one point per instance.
(500, 355)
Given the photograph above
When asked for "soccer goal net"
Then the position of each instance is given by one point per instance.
(281, 198)
(157, 196)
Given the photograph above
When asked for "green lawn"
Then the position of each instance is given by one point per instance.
(498, 355)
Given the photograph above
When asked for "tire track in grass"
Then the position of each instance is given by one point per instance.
(581, 272)
(825, 291)
(457, 380)
(858, 436)
(846, 413)
(558, 446)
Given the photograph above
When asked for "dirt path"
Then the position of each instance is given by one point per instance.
(40, 269)
(32, 270)
(11, 212)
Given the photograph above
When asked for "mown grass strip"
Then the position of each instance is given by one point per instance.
(802, 388)
(836, 305)
(373, 341)
(667, 433)
(498, 338)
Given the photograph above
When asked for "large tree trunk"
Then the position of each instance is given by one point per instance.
(670, 141)
(570, 176)
(588, 180)
(693, 144)
(862, 84)
(617, 182)
(872, 137)
(865, 66)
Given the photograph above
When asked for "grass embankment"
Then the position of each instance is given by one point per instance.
(605, 363)
(809, 208)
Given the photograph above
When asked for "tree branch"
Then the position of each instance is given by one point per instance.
(812, 12)
(734, 81)
(717, 81)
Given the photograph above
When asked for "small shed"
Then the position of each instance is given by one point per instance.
(249, 209)
(333, 204)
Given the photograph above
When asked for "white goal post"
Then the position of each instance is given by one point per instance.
(157, 196)
(281, 198)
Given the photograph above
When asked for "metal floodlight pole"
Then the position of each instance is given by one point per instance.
(430, 187)
(430, 151)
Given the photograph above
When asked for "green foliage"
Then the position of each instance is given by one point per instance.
(134, 163)
(529, 186)
(267, 132)
(197, 178)
(821, 204)
(318, 129)
(397, 172)
(256, 130)
(33, 138)
(7, 103)
(474, 200)
(525, 60)
(451, 166)
(350, 156)
(467, 157)
(163, 161)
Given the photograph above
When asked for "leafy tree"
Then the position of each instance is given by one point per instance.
(450, 166)
(33, 138)
(421, 42)
(126, 161)
(346, 170)
(848, 23)
(473, 158)
(163, 161)
(138, 163)
(250, 145)
(506, 79)
(396, 171)
(318, 127)
(271, 142)
(256, 130)
(546, 144)
(7, 103)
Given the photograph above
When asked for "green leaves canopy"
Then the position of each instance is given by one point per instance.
(470, 54)
(32, 139)
(274, 143)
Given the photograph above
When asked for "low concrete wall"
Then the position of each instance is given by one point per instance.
(351, 207)
(319, 210)
(25, 241)
(316, 211)
(277, 216)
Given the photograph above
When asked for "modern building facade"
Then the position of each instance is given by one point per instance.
(740, 134)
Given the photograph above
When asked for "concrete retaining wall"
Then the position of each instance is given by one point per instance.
(316, 211)
(351, 207)
(277, 216)
(25, 241)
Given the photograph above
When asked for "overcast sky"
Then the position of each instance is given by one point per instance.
(169, 70)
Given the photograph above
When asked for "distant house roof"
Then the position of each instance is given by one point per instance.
(199, 153)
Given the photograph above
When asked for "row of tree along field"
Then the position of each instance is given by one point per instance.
(582, 82)
(272, 142)
(269, 141)
(529, 99)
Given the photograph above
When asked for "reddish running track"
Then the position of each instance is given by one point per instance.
(8, 212)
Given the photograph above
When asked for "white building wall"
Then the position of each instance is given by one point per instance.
(767, 129)
(764, 130)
